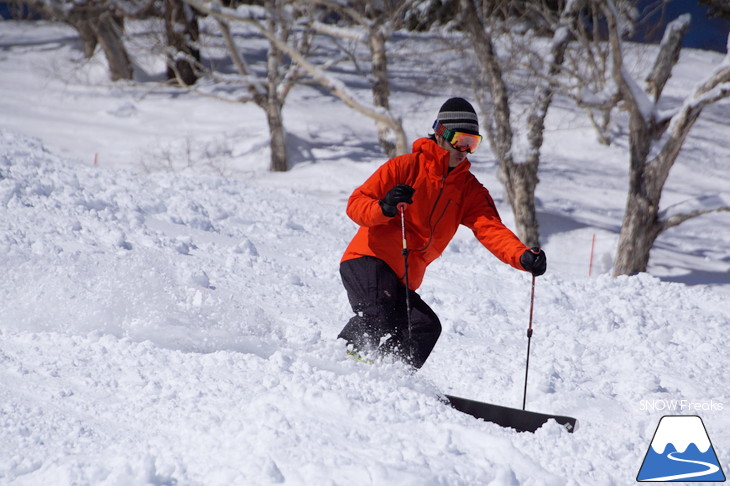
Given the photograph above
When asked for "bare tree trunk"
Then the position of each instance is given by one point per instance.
(642, 206)
(109, 32)
(381, 87)
(274, 103)
(181, 32)
(87, 34)
(639, 231)
(520, 181)
(277, 141)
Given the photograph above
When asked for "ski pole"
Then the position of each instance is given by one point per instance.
(529, 338)
(402, 208)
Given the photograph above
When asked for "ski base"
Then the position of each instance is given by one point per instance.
(520, 420)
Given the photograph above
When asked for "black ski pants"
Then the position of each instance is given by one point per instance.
(379, 301)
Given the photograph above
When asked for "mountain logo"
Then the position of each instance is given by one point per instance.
(681, 451)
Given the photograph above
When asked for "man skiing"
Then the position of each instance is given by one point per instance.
(441, 193)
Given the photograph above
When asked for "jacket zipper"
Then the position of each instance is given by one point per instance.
(430, 217)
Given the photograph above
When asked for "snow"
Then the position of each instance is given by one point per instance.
(170, 307)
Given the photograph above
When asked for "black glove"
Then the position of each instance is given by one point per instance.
(534, 261)
(401, 193)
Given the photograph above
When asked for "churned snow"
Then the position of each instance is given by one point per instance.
(170, 308)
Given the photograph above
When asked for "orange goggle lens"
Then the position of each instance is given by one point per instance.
(461, 141)
(465, 142)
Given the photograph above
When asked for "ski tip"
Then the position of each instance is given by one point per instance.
(520, 420)
(571, 425)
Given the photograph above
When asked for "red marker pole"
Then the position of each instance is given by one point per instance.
(593, 247)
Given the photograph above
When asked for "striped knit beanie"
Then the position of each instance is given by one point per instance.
(458, 115)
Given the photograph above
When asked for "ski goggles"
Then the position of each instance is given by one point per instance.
(461, 141)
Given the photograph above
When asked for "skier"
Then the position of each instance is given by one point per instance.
(441, 193)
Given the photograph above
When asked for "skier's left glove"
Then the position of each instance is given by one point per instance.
(534, 261)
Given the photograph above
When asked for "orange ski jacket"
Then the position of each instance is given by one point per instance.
(442, 201)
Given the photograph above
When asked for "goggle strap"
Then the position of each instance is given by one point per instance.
(440, 129)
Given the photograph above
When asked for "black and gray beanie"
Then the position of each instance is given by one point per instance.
(457, 114)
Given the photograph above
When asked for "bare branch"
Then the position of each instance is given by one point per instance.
(332, 85)
(679, 129)
(544, 91)
(721, 75)
(238, 60)
(677, 219)
(668, 55)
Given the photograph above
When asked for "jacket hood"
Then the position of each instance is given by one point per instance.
(437, 158)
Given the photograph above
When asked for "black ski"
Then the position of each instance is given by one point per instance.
(520, 420)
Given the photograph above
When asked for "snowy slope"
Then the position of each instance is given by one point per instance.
(178, 327)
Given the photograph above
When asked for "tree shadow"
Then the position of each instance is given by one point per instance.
(301, 150)
(699, 277)
(552, 224)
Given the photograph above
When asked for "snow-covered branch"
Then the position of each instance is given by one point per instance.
(668, 56)
(720, 75)
(692, 208)
(357, 35)
(684, 119)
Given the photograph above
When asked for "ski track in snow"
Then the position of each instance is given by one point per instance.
(179, 328)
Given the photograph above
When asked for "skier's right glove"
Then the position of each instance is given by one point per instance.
(401, 193)
(534, 261)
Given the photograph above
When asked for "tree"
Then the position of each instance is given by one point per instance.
(377, 21)
(656, 139)
(181, 36)
(278, 22)
(519, 176)
(98, 23)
